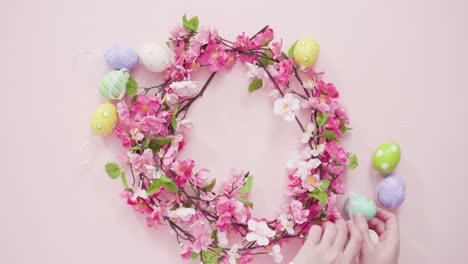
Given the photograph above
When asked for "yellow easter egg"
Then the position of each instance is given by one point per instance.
(306, 52)
(104, 119)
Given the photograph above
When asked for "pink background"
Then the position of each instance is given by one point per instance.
(400, 66)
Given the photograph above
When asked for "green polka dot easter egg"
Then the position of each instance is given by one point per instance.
(104, 119)
(306, 52)
(386, 157)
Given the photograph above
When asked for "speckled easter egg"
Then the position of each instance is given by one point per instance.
(154, 57)
(391, 191)
(104, 119)
(360, 204)
(386, 157)
(306, 52)
(119, 57)
(113, 85)
(374, 237)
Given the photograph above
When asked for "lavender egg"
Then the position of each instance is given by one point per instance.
(391, 191)
(120, 57)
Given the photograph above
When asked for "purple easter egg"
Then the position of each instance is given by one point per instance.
(119, 57)
(391, 191)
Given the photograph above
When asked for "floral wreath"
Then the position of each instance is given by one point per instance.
(152, 126)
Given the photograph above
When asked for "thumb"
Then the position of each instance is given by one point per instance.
(361, 223)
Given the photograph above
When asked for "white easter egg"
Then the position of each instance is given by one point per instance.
(154, 57)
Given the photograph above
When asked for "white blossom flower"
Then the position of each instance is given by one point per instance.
(276, 254)
(222, 239)
(139, 193)
(183, 213)
(185, 88)
(253, 70)
(234, 254)
(259, 232)
(275, 94)
(286, 107)
(286, 223)
(319, 150)
(304, 168)
(309, 83)
(308, 133)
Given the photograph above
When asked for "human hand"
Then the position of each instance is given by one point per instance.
(386, 226)
(327, 245)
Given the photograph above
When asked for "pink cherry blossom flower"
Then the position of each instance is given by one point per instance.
(328, 89)
(311, 182)
(259, 232)
(276, 49)
(338, 186)
(314, 103)
(179, 32)
(123, 136)
(224, 221)
(125, 119)
(332, 211)
(203, 36)
(154, 220)
(234, 181)
(183, 170)
(281, 71)
(202, 178)
(334, 125)
(246, 257)
(336, 169)
(154, 125)
(185, 89)
(286, 107)
(336, 152)
(186, 251)
(264, 38)
(146, 105)
(140, 162)
(222, 239)
(215, 56)
(300, 215)
(202, 234)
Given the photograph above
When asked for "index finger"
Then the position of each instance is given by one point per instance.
(391, 221)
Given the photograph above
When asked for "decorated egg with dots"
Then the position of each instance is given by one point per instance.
(113, 85)
(357, 203)
(374, 237)
(104, 119)
(120, 57)
(306, 52)
(154, 57)
(386, 157)
(391, 191)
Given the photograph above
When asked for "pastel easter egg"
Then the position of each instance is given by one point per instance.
(154, 57)
(306, 52)
(360, 204)
(374, 237)
(104, 119)
(121, 57)
(113, 85)
(386, 157)
(391, 191)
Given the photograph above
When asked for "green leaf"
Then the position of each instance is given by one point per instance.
(159, 142)
(146, 143)
(267, 61)
(154, 188)
(214, 234)
(134, 98)
(173, 119)
(353, 162)
(321, 196)
(255, 85)
(209, 257)
(291, 50)
(328, 134)
(124, 180)
(325, 185)
(192, 24)
(343, 127)
(113, 170)
(210, 186)
(247, 185)
(131, 86)
(193, 255)
(247, 202)
(136, 147)
(168, 184)
(322, 118)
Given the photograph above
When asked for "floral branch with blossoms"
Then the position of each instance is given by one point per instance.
(207, 216)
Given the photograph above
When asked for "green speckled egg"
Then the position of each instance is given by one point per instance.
(386, 157)
(357, 203)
